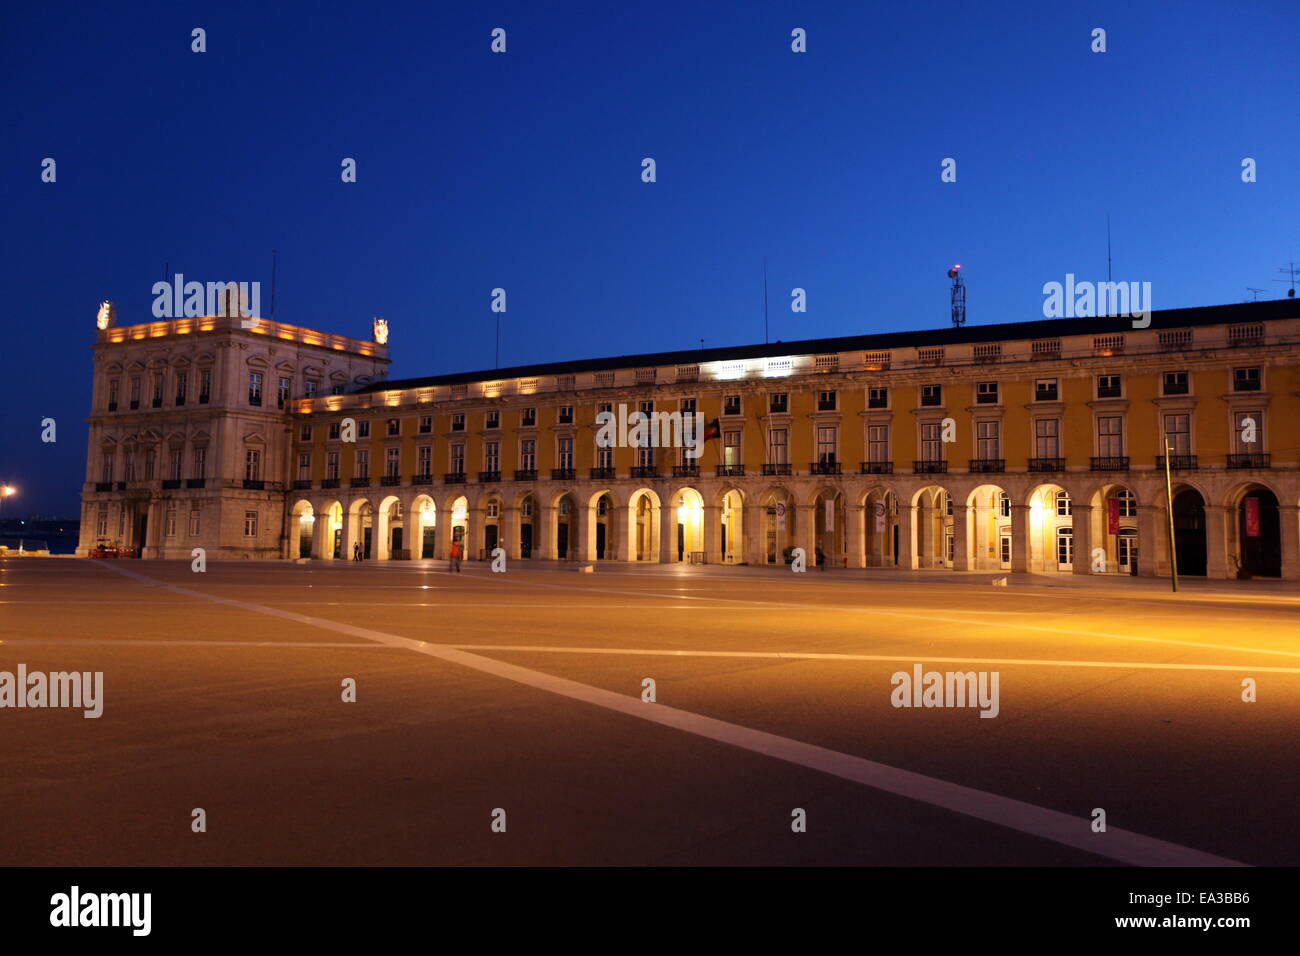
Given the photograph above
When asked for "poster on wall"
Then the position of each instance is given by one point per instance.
(1252, 517)
(1112, 515)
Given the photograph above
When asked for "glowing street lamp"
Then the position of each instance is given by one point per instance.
(6, 491)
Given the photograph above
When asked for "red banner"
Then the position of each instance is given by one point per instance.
(1252, 517)
(1112, 515)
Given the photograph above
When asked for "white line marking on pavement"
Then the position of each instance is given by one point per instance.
(1123, 846)
(815, 656)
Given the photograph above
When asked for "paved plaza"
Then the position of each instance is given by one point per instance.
(523, 692)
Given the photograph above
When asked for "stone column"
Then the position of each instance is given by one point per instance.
(1289, 517)
(510, 532)
(805, 532)
(1019, 539)
(667, 532)
(320, 545)
(1081, 522)
(351, 531)
(853, 535)
(583, 545)
(961, 560)
(543, 532)
(753, 525)
(713, 534)
(1216, 543)
(908, 515)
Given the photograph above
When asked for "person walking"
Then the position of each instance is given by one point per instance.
(356, 551)
(456, 550)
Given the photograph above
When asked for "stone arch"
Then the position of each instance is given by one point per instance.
(1050, 532)
(302, 529)
(643, 525)
(1254, 531)
(933, 532)
(423, 520)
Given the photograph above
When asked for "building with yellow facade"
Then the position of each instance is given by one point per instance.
(1033, 446)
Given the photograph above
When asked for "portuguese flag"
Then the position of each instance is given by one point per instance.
(712, 430)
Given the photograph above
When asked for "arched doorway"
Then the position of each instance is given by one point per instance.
(688, 529)
(880, 528)
(565, 541)
(527, 530)
(391, 537)
(731, 542)
(364, 519)
(829, 539)
(303, 524)
(1189, 531)
(491, 525)
(643, 517)
(780, 526)
(988, 528)
(934, 535)
(460, 524)
(334, 530)
(1115, 527)
(1258, 534)
(424, 518)
(1051, 530)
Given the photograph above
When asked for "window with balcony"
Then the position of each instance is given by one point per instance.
(1110, 436)
(877, 443)
(932, 441)
(252, 464)
(304, 466)
(528, 454)
(392, 462)
(332, 466)
(200, 463)
(362, 463)
(113, 387)
(458, 459)
(1047, 438)
(424, 461)
(777, 446)
(1109, 386)
(731, 447)
(1246, 379)
(827, 444)
(988, 444)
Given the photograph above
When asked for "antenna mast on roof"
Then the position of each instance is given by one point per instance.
(1254, 292)
(1290, 270)
(958, 297)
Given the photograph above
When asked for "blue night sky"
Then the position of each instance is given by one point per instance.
(523, 171)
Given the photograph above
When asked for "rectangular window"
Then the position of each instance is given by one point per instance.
(827, 442)
(566, 414)
(931, 394)
(200, 463)
(170, 526)
(988, 444)
(1245, 379)
(458, 459)
(877, 398)
(426, 424)
(392, 462)
(731, 448)
(177, 463)
(252, 464)
(932, 441)
(458, 422)
(182, 380)
(334, 430)
(304, 466)
(362, 469)
(113, 385)
(1047, 438)
(528, 418)
(363, 428)
(1108, 386)
(107, 473)
(282, 392)
(255, 388)
(1045, 390)
(986, 393)
(424, 460)
(731, 405)
(777, 447)
(604, 457)
(309, 388)
(101, 523)
(250, 524)
(194, 522)
(878, 443)
(1178, 428)
(491, 456)
(393, 427)
(778, 402)
(135, 391)
(687, 406)
(1110, 436)
(826, 401)
(332, 465)
(150, 457)
(492, 419)
(1175, 383)
(645, 456)
(564, 448)
(129, 474)
(1248, 425)
(157, 390)
(528, 454)
(304, 433)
